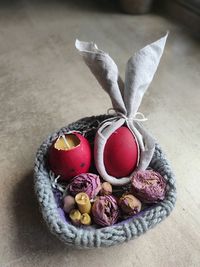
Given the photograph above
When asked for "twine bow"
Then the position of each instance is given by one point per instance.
(131, 118)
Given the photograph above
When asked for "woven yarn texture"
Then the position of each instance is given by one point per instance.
(107, 236)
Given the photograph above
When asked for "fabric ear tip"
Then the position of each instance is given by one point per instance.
(77, 44)
(165, 36)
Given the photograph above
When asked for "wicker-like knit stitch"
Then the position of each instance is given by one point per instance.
(108, 236)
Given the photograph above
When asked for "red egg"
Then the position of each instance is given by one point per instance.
(70, 155)
(121, 153)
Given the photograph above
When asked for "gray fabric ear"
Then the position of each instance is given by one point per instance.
(105, 70)
(125, 99)
(140, 70)
(146, 154)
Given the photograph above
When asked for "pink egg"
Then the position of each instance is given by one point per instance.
(121, 153)
(74, 160)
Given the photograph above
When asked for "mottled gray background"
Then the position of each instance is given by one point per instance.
(45, 85)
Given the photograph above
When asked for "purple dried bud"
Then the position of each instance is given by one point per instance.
(129, 204)
(105, 210)
(149, 186)
(68, 203)
(106, 189)
(88, 183)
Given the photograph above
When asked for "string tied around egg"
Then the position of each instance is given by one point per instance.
(142, 117)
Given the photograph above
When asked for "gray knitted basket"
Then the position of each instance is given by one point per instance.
(91, 237)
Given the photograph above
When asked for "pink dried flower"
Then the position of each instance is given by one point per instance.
(88, 183)
(105, 210)
(149, 186)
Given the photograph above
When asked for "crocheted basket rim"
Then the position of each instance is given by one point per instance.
(103, 237)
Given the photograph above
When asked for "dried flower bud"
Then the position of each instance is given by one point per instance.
(68, 203)
(88, 183)
(129, 205)
(149, 186)
(105, 210)
(106, 189)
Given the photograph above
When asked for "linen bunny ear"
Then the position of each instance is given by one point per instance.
(140, 70)
(105, 70)
(126, 100)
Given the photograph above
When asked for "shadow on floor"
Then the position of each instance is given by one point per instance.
(32, 234)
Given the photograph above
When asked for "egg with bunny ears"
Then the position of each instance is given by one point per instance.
(114, 162)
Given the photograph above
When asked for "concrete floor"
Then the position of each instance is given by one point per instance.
(44, 85)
